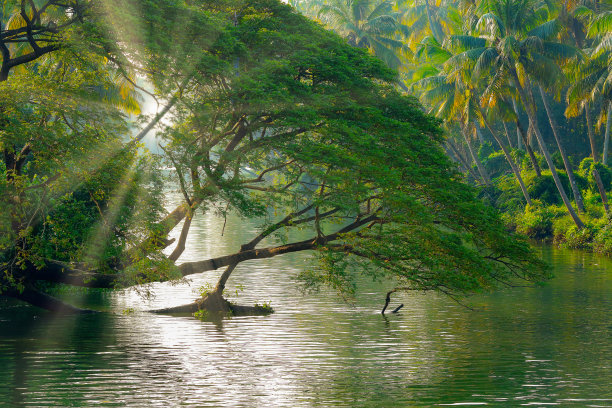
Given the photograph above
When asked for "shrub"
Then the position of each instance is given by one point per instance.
(578, 239)
(560, 227)
(585, 170)
(496, 164)
(558, 160)
(536, 221)
(602, 241)
(485, 150)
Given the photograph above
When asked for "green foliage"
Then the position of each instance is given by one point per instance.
(536, 222)
(585, 169)
(266, 307)
(578, 238)
(496, 164)
(602, 241)
(485, 150)
(558, 160)
(543, 188)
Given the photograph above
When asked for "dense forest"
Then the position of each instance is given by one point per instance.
(525, 92)
(266, 114)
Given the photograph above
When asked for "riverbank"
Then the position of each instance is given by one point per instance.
(547, 218)
(551, 224)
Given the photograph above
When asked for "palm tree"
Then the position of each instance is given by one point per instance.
(370, 24)
(593, 78)
(511, 47)
(451, 98)
(435, 18)
(566, 163)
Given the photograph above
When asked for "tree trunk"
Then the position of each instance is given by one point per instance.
(223, 278)
(508, 135)
(44, 301)
(180, 246)
(479, 166)
(602, 191)
(591, 133)
(462, 160)
(515, 170)
(479, 133)
(607, 136)
(530, 109)
(519, 133)
(532, 158)
(566, 162)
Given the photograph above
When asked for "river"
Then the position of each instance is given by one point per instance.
(542, 346)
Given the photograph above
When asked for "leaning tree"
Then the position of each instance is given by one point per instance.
(270, 111)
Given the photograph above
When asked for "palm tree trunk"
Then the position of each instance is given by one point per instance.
(519, 133)
(461, 159)
(602, 191)
(607, 137)
(523, 136)
(591, 134)
(515, 170)
(479, 166)
(566, 162)
(530, 109)
(508, 135)
(532, 158)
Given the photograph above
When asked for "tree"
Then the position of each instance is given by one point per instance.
(370, 24)
(512, 49)
(71, 189)
(593, 76)
(452, 97)
(313, 129)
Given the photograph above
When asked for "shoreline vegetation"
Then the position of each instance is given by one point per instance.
(546, 219)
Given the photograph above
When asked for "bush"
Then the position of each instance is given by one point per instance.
(560, 227)
(485, 150)
(506, 195)
(536, 222)
(579, 239)
(496, 164)
(585, 170)
(558, 160)
(543, 188)
(518, 155)
(526, 161)
(602, 241)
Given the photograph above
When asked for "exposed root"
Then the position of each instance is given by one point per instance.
(215, 304)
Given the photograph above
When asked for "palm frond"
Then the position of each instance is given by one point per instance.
(484, 63)
(460, 43)
(545, 30)
(490, 24)
(601, 24)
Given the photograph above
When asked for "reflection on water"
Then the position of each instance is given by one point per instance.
(526, 346)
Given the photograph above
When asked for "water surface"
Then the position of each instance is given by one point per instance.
(542, 346)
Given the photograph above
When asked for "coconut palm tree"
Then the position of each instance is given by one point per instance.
(511, 47)
(435, 18)
(371, 24)
(452, 98)
(592, 79)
